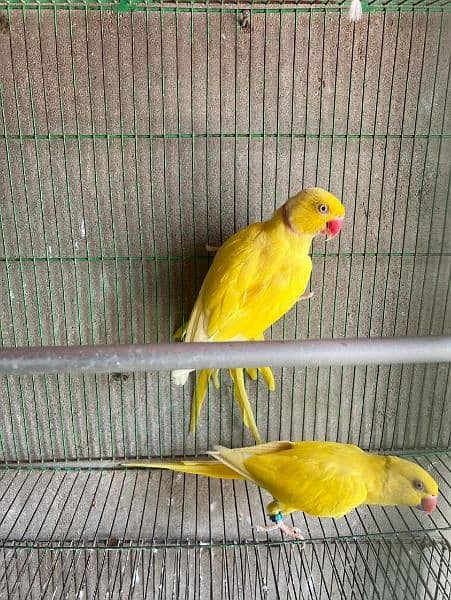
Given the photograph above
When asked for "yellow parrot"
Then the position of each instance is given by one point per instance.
(322, 479)
(256, 276)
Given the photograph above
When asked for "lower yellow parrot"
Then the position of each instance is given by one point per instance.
(256, 276)
(322, 479)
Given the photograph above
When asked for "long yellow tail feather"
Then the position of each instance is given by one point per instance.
(200, 391)
(240, 393)
(207, 468)
(268, 377)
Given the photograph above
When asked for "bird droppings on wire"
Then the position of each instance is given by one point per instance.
(355, 11)
(120, 376)
(245, 21)
(4, 23)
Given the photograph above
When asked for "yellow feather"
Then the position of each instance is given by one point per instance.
(243, 401)
(256, 276)
(252, 373)
(200, 391)
(207, 468)
(268, 377)
(323, 479)
(215, 378)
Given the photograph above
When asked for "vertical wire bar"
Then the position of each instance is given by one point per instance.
(345, 157)
(324, 259)
(156, 305)
(221, 228)
(113, 233)
(193, 222)
(59, 250)
(100, 237)
(8, 280)
(71, 221)
(276, 177)
(139, 224)
(75, 437)
(248, 161)
(337, 265)
(290, 167)
(179, 166)
(165, 167)
(263, 147)
(306, 371)
(351, 259)
(235, 143)
(127, 240)
(140, 234)
(337, 268)
(207, 184)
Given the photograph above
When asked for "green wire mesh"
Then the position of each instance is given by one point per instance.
(131, 134)
(129, 141)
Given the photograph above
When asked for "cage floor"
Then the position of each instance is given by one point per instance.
(379, 568)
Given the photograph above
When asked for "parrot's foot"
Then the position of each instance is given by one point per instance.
(279, 524)
(210, 248)
(307, 296)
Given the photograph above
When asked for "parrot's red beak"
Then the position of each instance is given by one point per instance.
(333, 228)
(428, 504)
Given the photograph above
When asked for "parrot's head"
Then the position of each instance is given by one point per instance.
(409, 484)
(315, 211)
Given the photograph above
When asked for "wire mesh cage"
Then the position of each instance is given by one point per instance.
(132, 134)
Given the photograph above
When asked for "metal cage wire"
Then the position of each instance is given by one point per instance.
(131, 134)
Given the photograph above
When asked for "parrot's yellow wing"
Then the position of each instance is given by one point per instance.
(255, 278)
(322, 480)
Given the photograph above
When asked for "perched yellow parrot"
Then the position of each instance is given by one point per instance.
(256, 276)
(322, 479)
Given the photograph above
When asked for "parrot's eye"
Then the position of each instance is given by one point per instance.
(418, 485)
(323, 209)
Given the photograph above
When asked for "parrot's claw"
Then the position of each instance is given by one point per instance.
(291, 531)
(210, 248)
(307, 296)
(279, 524)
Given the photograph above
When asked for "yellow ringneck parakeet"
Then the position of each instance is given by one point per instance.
(256, 276)
(322, 479)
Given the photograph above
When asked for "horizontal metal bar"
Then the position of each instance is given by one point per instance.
(175, 257)
(218, 7)
(259, 135)
(108, 464)
(156, 357)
